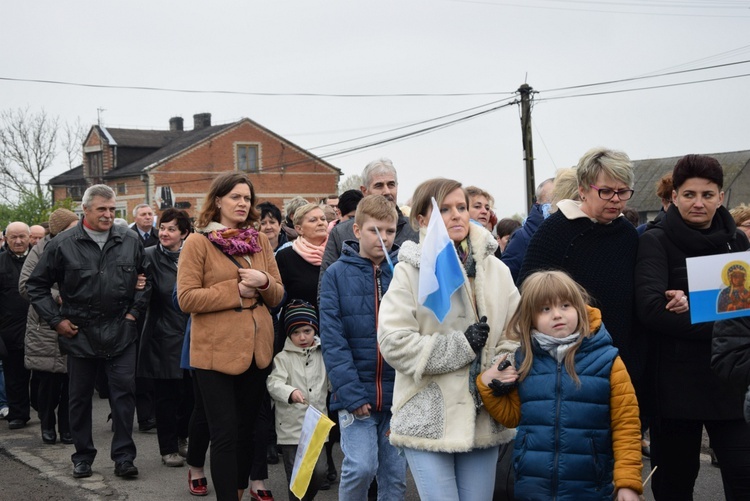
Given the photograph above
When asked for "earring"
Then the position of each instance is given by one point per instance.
(218, 206)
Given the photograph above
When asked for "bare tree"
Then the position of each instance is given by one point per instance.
(352, 182)
(28, 147)
(71, 141)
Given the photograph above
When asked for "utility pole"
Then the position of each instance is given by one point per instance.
(528, 148)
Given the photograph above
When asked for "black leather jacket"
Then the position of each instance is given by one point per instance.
(97, 288)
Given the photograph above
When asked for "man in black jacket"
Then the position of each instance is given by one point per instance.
(96, 267)
(144, 225)
(13, 310)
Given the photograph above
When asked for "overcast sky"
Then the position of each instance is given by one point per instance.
(483, 49)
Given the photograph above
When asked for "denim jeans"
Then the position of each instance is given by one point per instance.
(3, 398)
(368, 454)
(461, 476)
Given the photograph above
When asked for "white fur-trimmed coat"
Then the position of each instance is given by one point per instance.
(433, 408)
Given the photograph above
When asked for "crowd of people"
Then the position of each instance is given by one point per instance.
(566, 337)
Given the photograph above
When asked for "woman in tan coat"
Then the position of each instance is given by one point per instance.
(227, 280)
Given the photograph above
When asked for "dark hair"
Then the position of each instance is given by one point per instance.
(700, 166)
(180, 216)
(506, 226)
(222, 186)
(349, 200)
(631, 215)
(269, 209)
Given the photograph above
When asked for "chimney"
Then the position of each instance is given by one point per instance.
(201, 120)
(175, 124)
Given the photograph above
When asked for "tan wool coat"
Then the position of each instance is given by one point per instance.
(227, 331)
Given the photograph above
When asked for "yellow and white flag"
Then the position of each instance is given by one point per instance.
(315, 429)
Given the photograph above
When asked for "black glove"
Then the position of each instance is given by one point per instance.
(476, 334)
(498, 387)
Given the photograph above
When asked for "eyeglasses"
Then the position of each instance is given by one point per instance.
(609, 193)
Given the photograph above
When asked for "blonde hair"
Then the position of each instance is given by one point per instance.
(301, 212)
(740, 214)
(566, 186)
(543, 288)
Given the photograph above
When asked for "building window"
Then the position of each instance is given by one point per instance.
(247, 157)
(121, 189)
(75, 192)
(95, 164)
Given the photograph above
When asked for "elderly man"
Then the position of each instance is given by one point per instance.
(13, 309)
(37, 233)
(96, 267)
(144, 225)
(379, 178)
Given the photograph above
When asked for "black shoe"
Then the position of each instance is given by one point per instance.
(49, 436)
(325, 486)
(126, 469)
(147, 425)
(332, 474)
(66, 438)
(16, 424)
(272, 455)
(82, 469)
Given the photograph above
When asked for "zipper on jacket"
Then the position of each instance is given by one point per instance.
(379, 357)
(558, 402)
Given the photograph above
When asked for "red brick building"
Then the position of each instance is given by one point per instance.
(174, 167)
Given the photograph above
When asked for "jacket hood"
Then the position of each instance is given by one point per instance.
(483, 244)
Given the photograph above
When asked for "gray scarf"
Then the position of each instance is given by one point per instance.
(555, 346)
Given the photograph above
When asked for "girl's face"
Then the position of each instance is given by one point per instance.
(170, 236)
(557, 320)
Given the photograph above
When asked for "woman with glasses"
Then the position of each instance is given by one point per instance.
(591, 242)
(688, 394)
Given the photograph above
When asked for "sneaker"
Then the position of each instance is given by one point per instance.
(182, 447)
(4, 412)
(172, 459)
(126, 469)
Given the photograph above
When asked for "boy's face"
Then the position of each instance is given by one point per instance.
(303, 337)
(369, 243)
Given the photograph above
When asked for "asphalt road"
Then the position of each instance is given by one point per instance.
(33, 471)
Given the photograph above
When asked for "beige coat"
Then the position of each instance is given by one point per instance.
(222, 338)
(433, 408)
(41, 348)
(296, 369)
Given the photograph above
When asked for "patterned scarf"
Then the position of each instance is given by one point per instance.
(235, 241)
(311, 253)
(463, 248)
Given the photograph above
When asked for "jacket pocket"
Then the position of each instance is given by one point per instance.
(423, 415)
(519, 453)
(599, 468)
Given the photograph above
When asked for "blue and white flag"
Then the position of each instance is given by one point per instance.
(440, 271)
(718, 286)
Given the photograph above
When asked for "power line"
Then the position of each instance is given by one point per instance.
(646, 88)
(632, 79)
(247, 93)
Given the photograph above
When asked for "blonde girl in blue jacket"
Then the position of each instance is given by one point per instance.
(569, 396)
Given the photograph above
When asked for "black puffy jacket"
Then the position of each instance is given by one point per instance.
(97, 288)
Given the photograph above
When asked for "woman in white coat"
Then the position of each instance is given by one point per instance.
(450, 441)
